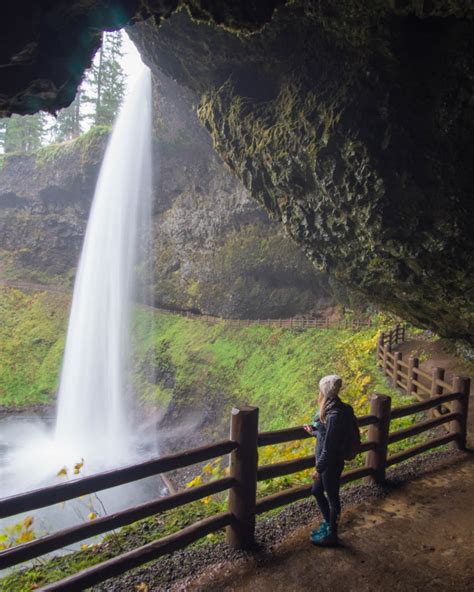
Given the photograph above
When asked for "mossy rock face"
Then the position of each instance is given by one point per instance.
(45, 198)
(353, 126)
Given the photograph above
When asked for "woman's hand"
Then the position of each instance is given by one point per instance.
(308, 429)
(315, 476)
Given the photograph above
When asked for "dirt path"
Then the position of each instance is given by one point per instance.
(440, 355)
(419, 538)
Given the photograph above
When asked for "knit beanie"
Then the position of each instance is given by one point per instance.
(330, 386)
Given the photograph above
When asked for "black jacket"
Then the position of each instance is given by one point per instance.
(330, 436)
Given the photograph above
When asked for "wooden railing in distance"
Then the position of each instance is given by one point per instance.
(243, 504)
(408, 376)
(289, 323)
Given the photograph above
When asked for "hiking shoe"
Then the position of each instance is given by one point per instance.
(323, 528)
(327, 539)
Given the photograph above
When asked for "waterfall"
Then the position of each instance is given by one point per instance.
(93, 414)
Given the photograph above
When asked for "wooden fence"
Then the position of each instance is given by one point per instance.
(245, 472)
(408, 376)
(291, 323)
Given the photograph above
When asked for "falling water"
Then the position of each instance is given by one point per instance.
(93, 402)
(93, 415)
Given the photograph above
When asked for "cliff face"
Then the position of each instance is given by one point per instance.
(353, 126)
(44, 203)
(352, 123)
(215, 250)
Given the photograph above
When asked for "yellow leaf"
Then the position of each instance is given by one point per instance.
(28, 521)
(62, 472)
(78, 466)
(26, 537)
(194, 482)
(142, 587)
(84, 547)
(206, 500)
(92, 516)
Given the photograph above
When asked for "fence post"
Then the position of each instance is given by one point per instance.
(376, 459)
(461, 406)
(243, 468)
(380, 344)
(438, 373)
(412, 363)
(403, 333)
(397, 356)
(385, 358)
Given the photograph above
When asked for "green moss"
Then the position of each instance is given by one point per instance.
(32, 328)
(82, 145)
(276, 369)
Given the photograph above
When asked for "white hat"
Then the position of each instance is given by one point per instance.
(330, 386)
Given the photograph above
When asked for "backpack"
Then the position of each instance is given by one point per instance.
(352, 440)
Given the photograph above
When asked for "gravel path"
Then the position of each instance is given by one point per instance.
(183, 569)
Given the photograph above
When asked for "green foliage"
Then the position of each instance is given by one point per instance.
(23, 133)
(17, 534)
(81, 146)
(70, 120)
(276, 369)
(32, 328)
(106, 79)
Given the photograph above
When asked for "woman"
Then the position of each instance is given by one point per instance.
(330, 427)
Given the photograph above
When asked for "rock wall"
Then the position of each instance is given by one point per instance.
(215, 249)
(352, 124)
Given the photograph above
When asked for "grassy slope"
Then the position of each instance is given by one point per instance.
(275, 369)
(32, 328)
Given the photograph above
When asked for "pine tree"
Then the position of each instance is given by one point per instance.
(24, 133)
(106, 79)
(69, 121)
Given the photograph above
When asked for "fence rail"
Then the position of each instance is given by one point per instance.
(289, 323)
(243, 505)
(408, 376)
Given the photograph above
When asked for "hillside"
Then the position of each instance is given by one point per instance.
(184, 365)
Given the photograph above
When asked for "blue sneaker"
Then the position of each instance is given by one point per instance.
(327, 539)
(323, 527)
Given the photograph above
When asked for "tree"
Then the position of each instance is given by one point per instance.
(69, 121)
(24, 133)
(106, 79)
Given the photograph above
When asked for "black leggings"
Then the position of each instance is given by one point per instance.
(329, 482)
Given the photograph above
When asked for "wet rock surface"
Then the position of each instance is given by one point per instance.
(352, 126)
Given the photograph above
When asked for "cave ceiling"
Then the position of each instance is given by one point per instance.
(351, 122)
